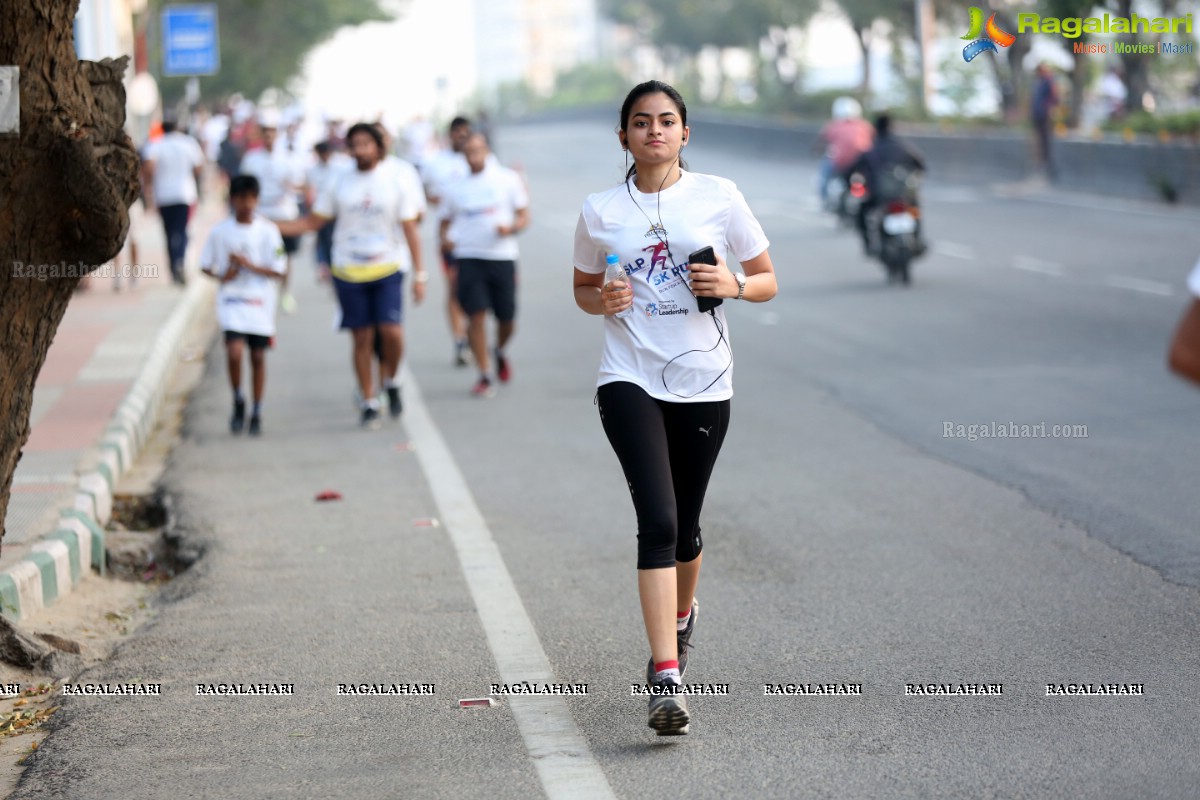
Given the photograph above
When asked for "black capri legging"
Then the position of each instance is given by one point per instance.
(667, 451)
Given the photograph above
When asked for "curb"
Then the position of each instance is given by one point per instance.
(68, 553)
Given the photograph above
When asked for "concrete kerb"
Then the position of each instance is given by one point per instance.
(67, 554)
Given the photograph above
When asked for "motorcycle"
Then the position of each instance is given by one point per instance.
(893, 225)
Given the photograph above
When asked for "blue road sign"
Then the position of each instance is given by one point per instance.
(189, 37)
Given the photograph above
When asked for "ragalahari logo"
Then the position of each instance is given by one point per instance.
(985, 37)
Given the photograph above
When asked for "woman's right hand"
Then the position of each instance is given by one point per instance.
(615, 297)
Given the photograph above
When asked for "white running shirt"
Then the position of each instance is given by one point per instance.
(479, 203)
(666, 340)
(246, 304)
(370, 207)
(176, 156)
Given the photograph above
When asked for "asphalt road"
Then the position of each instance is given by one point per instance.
(848, 540)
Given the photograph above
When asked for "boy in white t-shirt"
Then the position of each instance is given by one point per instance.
(246, 254)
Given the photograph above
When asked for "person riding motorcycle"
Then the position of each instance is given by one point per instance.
(845, 137)
(878, 167)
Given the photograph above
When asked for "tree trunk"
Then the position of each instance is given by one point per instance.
(1134, 66)
(864, 43)
(1079, 76)
(66, 183)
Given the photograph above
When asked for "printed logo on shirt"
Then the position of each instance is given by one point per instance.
(657, 231)
(665, 308)
(242, 301)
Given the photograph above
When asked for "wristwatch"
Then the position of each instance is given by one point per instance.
(740, 277)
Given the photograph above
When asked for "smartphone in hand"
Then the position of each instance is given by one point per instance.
(705, 255)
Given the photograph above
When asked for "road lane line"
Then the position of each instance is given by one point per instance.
(953, 250)
(1140, 285)
(565, 765)
(1031, 264)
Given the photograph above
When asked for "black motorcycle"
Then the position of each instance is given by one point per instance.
(893, 224)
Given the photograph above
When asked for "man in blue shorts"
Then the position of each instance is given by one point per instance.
(376, 243)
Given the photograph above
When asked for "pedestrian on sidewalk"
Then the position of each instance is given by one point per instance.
(173, 165)
(1042, 105)
(245, 253)
(666, 373)
(481, 216)
(376, 242)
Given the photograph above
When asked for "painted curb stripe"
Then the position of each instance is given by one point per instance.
(60, 556)
(71, 540)
(47, 575)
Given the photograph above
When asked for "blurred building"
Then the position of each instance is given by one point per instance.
(104, 28)
(532, 41)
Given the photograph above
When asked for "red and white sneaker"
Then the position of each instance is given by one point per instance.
(483, 389)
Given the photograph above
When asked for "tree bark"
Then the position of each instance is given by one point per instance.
(66, 183)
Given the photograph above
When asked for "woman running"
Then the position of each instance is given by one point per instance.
(666, 372)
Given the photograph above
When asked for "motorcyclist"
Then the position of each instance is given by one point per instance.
(878, 166)
(845, 137)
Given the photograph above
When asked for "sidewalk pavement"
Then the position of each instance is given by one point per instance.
(96, 401)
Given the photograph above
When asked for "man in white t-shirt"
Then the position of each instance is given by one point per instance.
(172, 167)
(245, 253)
(321, 175)
(376, 242)
(280, 175)
(480, 217)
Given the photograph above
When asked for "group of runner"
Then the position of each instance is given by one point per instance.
(366, 205)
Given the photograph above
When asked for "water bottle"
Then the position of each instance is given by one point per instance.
(615, 273)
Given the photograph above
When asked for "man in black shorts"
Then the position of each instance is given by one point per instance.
(480, 217)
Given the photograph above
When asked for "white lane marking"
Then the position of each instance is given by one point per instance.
(1140, 285)
(953, 250)
(565, 765)
(1031, 264)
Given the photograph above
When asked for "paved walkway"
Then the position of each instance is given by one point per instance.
(99, 349)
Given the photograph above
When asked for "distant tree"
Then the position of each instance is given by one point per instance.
(862, 16)
(264, 42)
(1079, 61)
(66, 183)
(687, 26)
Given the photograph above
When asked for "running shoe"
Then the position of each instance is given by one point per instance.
(370, 418)
(684, 640)
(394, 404)
(255, 426)
(483, 389)
(239, 416)
(668, 710)
(503, 369)
(460, 354)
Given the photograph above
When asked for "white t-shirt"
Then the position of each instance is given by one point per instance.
(246, 304)
(370, 207)
(1194, 281)
(477, 205)
(176, 156)
(442, 169)
(279, 172)
(666, 339)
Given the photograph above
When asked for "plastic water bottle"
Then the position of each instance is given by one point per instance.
(615, 273)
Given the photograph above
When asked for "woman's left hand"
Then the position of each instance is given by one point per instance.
(712, 280)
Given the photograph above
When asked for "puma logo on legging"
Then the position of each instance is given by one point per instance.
(706, 430)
